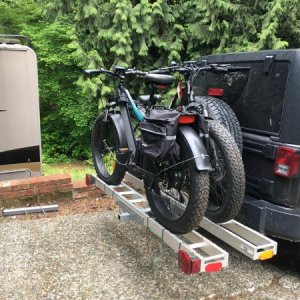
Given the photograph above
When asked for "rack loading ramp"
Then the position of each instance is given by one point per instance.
(196, 253)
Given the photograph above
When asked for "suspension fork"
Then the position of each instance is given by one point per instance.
(125, 100)
(204, 132)
(208, 142)
(128, 129)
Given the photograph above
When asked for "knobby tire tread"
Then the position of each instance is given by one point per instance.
(222, 112)
(119, 170)
(196, 206)
(235, 174)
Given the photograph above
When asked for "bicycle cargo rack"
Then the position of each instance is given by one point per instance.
(196, 253)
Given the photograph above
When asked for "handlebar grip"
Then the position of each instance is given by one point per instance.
(160, 71)
(92, 71)
(135, 72)
(99, 71)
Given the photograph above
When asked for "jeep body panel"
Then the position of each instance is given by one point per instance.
(266, 99)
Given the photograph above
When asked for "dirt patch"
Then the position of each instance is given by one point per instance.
(76, 206)
(47, 190)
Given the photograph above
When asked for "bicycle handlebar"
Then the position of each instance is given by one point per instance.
(189, 67)
(98, 71)
(135, 72)
(117, 72)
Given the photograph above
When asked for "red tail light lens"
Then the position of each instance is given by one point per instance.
(287, 162)
(187, 119)
(161, 86)
(215, 92)
(187, 264)
(87, 179)
(213, 267)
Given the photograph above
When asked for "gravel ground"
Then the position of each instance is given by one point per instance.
(93, 256)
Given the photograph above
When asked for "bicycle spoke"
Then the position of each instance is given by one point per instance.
(218, 198)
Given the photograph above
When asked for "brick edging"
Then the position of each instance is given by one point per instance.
(44, 189)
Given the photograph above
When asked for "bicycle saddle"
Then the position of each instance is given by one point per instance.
(159, 79)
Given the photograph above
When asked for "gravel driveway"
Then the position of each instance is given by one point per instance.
(93, 256)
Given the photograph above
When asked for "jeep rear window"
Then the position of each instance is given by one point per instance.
(256, 97)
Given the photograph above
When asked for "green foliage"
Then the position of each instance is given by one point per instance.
(77, 170)
(65, 114)
(14, 14)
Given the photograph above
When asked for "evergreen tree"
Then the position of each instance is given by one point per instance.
(148, 34)
(227, 25)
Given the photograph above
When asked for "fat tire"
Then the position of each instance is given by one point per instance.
(197, 203)
(97, 133)
(222, 112)
(235, 175)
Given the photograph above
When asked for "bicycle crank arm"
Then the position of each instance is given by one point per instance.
(141, 173)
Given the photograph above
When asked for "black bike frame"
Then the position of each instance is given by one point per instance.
(124, 102)
(126, 120)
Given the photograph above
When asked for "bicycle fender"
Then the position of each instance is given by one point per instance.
(119, 125)
(196, 147)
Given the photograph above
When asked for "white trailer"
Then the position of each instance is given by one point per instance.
(20, 134)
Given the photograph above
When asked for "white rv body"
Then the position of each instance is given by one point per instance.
(20, 134)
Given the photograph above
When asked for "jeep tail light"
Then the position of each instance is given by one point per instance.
(216, 92)
(286, 163)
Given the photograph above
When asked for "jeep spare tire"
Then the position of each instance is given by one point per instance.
(220, 111)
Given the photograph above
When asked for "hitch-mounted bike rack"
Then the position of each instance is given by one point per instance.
(196, 253)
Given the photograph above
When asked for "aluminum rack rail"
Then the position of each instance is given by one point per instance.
(195, 252)
(244, 239)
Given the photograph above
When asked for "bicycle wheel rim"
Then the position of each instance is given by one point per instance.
(172, 201)
(218, 181)
(105, 150)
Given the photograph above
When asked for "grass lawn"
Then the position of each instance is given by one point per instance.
(76, 170)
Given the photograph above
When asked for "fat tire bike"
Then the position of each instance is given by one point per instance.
(170, 155)
(227, 180)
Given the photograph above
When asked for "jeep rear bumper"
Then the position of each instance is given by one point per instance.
(271, 219)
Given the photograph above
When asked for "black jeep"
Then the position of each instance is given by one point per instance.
(265, 95)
